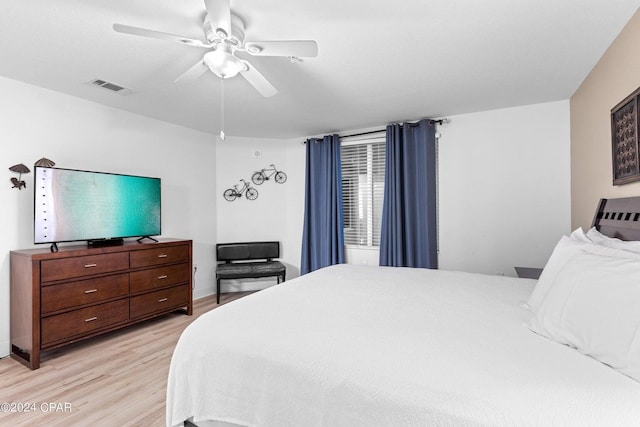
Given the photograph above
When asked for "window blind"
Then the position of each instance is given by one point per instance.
(363, 160)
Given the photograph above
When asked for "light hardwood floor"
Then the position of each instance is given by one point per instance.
(116, 380)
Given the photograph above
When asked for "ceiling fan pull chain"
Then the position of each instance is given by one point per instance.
(222, 109)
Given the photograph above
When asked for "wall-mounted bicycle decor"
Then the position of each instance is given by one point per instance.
(265, 175)
(250, 193)
(258, 178)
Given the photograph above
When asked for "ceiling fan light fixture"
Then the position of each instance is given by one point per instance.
(223, 63)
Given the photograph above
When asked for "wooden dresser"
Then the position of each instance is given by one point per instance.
(77, 293)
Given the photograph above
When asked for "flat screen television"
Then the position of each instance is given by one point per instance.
(76, 205)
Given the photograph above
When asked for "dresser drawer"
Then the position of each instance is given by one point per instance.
(158, 301)
(78, 322)
(165, 255)
(68, 268)
(81, 292)
(159, 277)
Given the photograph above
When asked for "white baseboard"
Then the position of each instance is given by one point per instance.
(201, 293)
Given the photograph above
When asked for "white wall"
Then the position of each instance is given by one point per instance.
(277, 212)
(79, 134)
(365, 256)
(504, 188)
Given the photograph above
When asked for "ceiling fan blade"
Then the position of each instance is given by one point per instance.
(198, 69)
(219, 12)
(299, 48)
(258, 81)
(136, 31)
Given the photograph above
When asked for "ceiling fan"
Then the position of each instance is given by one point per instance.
(224, 34)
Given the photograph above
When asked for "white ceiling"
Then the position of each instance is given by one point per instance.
(378, 62)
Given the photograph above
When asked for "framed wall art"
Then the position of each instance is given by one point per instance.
(624, 140)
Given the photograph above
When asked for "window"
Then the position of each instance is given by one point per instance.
(362, 188)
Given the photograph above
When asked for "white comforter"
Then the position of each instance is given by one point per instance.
(379, 346)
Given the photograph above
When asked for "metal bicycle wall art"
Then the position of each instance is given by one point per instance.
(258, 178)
(265, 175)
(250, 193)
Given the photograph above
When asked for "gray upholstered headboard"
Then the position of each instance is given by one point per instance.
(618, 218)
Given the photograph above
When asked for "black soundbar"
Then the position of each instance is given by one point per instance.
(99, 243)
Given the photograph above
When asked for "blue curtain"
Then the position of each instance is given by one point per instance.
(323, 233)
(408, 235)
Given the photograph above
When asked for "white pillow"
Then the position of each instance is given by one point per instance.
(579, 236)
(597, 237)
(594, 306)
(565, 250)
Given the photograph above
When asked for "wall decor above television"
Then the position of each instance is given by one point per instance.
(77, 205)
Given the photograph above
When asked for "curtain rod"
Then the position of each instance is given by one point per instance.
(431, 122)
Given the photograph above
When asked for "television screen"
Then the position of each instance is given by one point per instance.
(71, 205)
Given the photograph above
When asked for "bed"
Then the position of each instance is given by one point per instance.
(355, 345)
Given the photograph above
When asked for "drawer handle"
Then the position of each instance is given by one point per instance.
(163, 299)
(164, 276)
(91, 319)
(162, 256)
(90, 265)
(90, 291)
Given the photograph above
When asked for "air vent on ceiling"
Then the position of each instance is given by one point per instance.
(121, 90)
